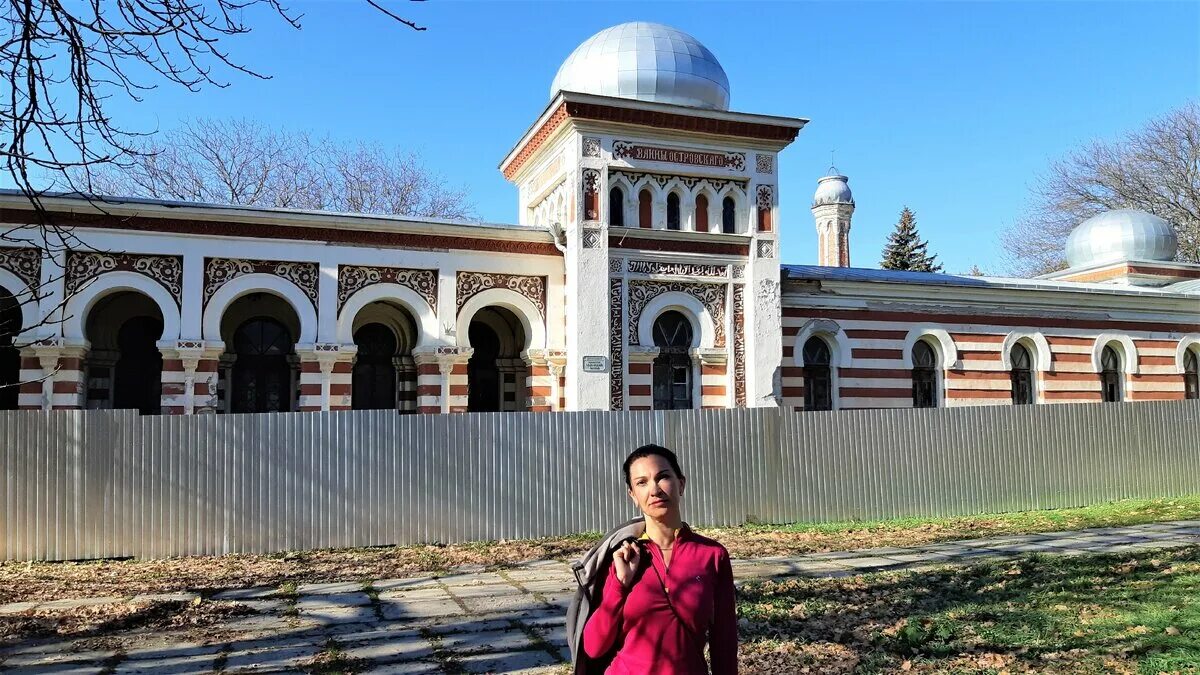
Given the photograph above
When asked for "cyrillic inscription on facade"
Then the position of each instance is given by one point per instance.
(652, 153)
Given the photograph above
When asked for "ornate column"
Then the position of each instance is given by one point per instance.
(429, 381)
(711, 364)
(452, 366)
(326, 370)
(189, 376)
(58, 364)
(544, 381)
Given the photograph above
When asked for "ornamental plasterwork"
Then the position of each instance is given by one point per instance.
(220, 271)
(470, 284)
(690, 182)
(712, 296)
(764, 196)
(354, 278)
(591, 237)
(739, 271)
(764, 163)
(591, 147)
(83, 266)
(739, 347)
(26, 263)
(616, 381)
(616, 265)
(766, 248)
(677, 269)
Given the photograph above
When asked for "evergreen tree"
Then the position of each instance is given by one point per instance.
(905, 250)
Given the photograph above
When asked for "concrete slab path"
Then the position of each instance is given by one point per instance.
(475, 620)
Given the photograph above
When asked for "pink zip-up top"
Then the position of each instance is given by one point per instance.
(639, 622)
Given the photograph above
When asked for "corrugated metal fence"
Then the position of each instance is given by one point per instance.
(107, 484)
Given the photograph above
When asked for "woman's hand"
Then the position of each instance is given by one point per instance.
(626, 561)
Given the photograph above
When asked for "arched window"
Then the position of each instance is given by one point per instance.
(1110, 375)
(616, 207)
(924, 376)
(673, 219)
(374, 376)
(728, 216)
(262, 376)
(1191, 375)
(1021, 375)
(645, 210)
(818, 377)
(701, 213)
(673, 366)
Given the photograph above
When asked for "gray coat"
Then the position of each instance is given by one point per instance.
(590, 572)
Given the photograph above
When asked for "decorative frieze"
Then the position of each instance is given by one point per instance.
(26, 263)
(735, 161)
(690, 182)
(712, 296)
(765, 196)
(220, 271)
(616, 380)
(739, 346)
(764, 163)
(470, 284)
(354, 278)
(677, 269)
(166, 270)
(591, 147)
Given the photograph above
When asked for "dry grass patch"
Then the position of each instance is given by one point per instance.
(117, 618)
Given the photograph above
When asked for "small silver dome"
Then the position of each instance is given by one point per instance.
(1123, 234)
(647, 62)
(833, 189)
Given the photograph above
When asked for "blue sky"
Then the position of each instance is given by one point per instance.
(951, 108)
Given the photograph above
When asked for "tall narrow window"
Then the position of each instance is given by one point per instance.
(673, 211)
(373, 378)
(701, 213)
(616, 207)
(1110, 375)
(672, 367)
(924, 376)
(645, 210)
(1022, 375)
(728, 216)
(1191, 375)
(818, 378)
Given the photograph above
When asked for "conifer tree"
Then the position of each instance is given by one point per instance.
(905, 250)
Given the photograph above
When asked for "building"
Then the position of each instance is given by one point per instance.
(643, 273)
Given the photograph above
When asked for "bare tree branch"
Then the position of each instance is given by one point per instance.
(1155, 169)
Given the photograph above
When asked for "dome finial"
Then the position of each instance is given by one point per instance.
(833, 170)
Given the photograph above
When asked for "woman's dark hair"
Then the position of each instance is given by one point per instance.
(646, 451)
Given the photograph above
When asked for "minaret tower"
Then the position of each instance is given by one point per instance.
(832, 208)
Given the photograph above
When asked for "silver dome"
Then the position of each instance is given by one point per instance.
(1123, 234)
(833, 189)
(647, 62)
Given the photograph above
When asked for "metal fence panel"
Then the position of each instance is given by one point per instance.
(102, 484)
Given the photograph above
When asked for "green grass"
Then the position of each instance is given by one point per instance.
(1134, 613)
(1108, 514)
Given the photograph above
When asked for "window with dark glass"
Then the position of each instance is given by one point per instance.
(373, 380)
(10, 356)
(616, 207)
(701, 213)
(1022, 375)
(672, 367)
(1191, 375)
(1110, 375)
(924, 376)
(728, 216)
(673, 220)
(818, 377)
(262, 376)
(645, 209)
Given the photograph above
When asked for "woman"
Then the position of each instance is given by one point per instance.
(668, 592)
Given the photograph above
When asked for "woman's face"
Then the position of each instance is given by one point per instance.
(654, 486)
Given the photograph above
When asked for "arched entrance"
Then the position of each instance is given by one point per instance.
(384, 375)
(673, 366)
(10, 356)
(124, 365)
(496, 372)
(259, 369)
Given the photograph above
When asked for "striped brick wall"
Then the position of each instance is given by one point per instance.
(540, 386)
(714, 379)
(325, 363)
(458, 387)
(639, 382)
(30, 396)
(429, 383)
(871, 372)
